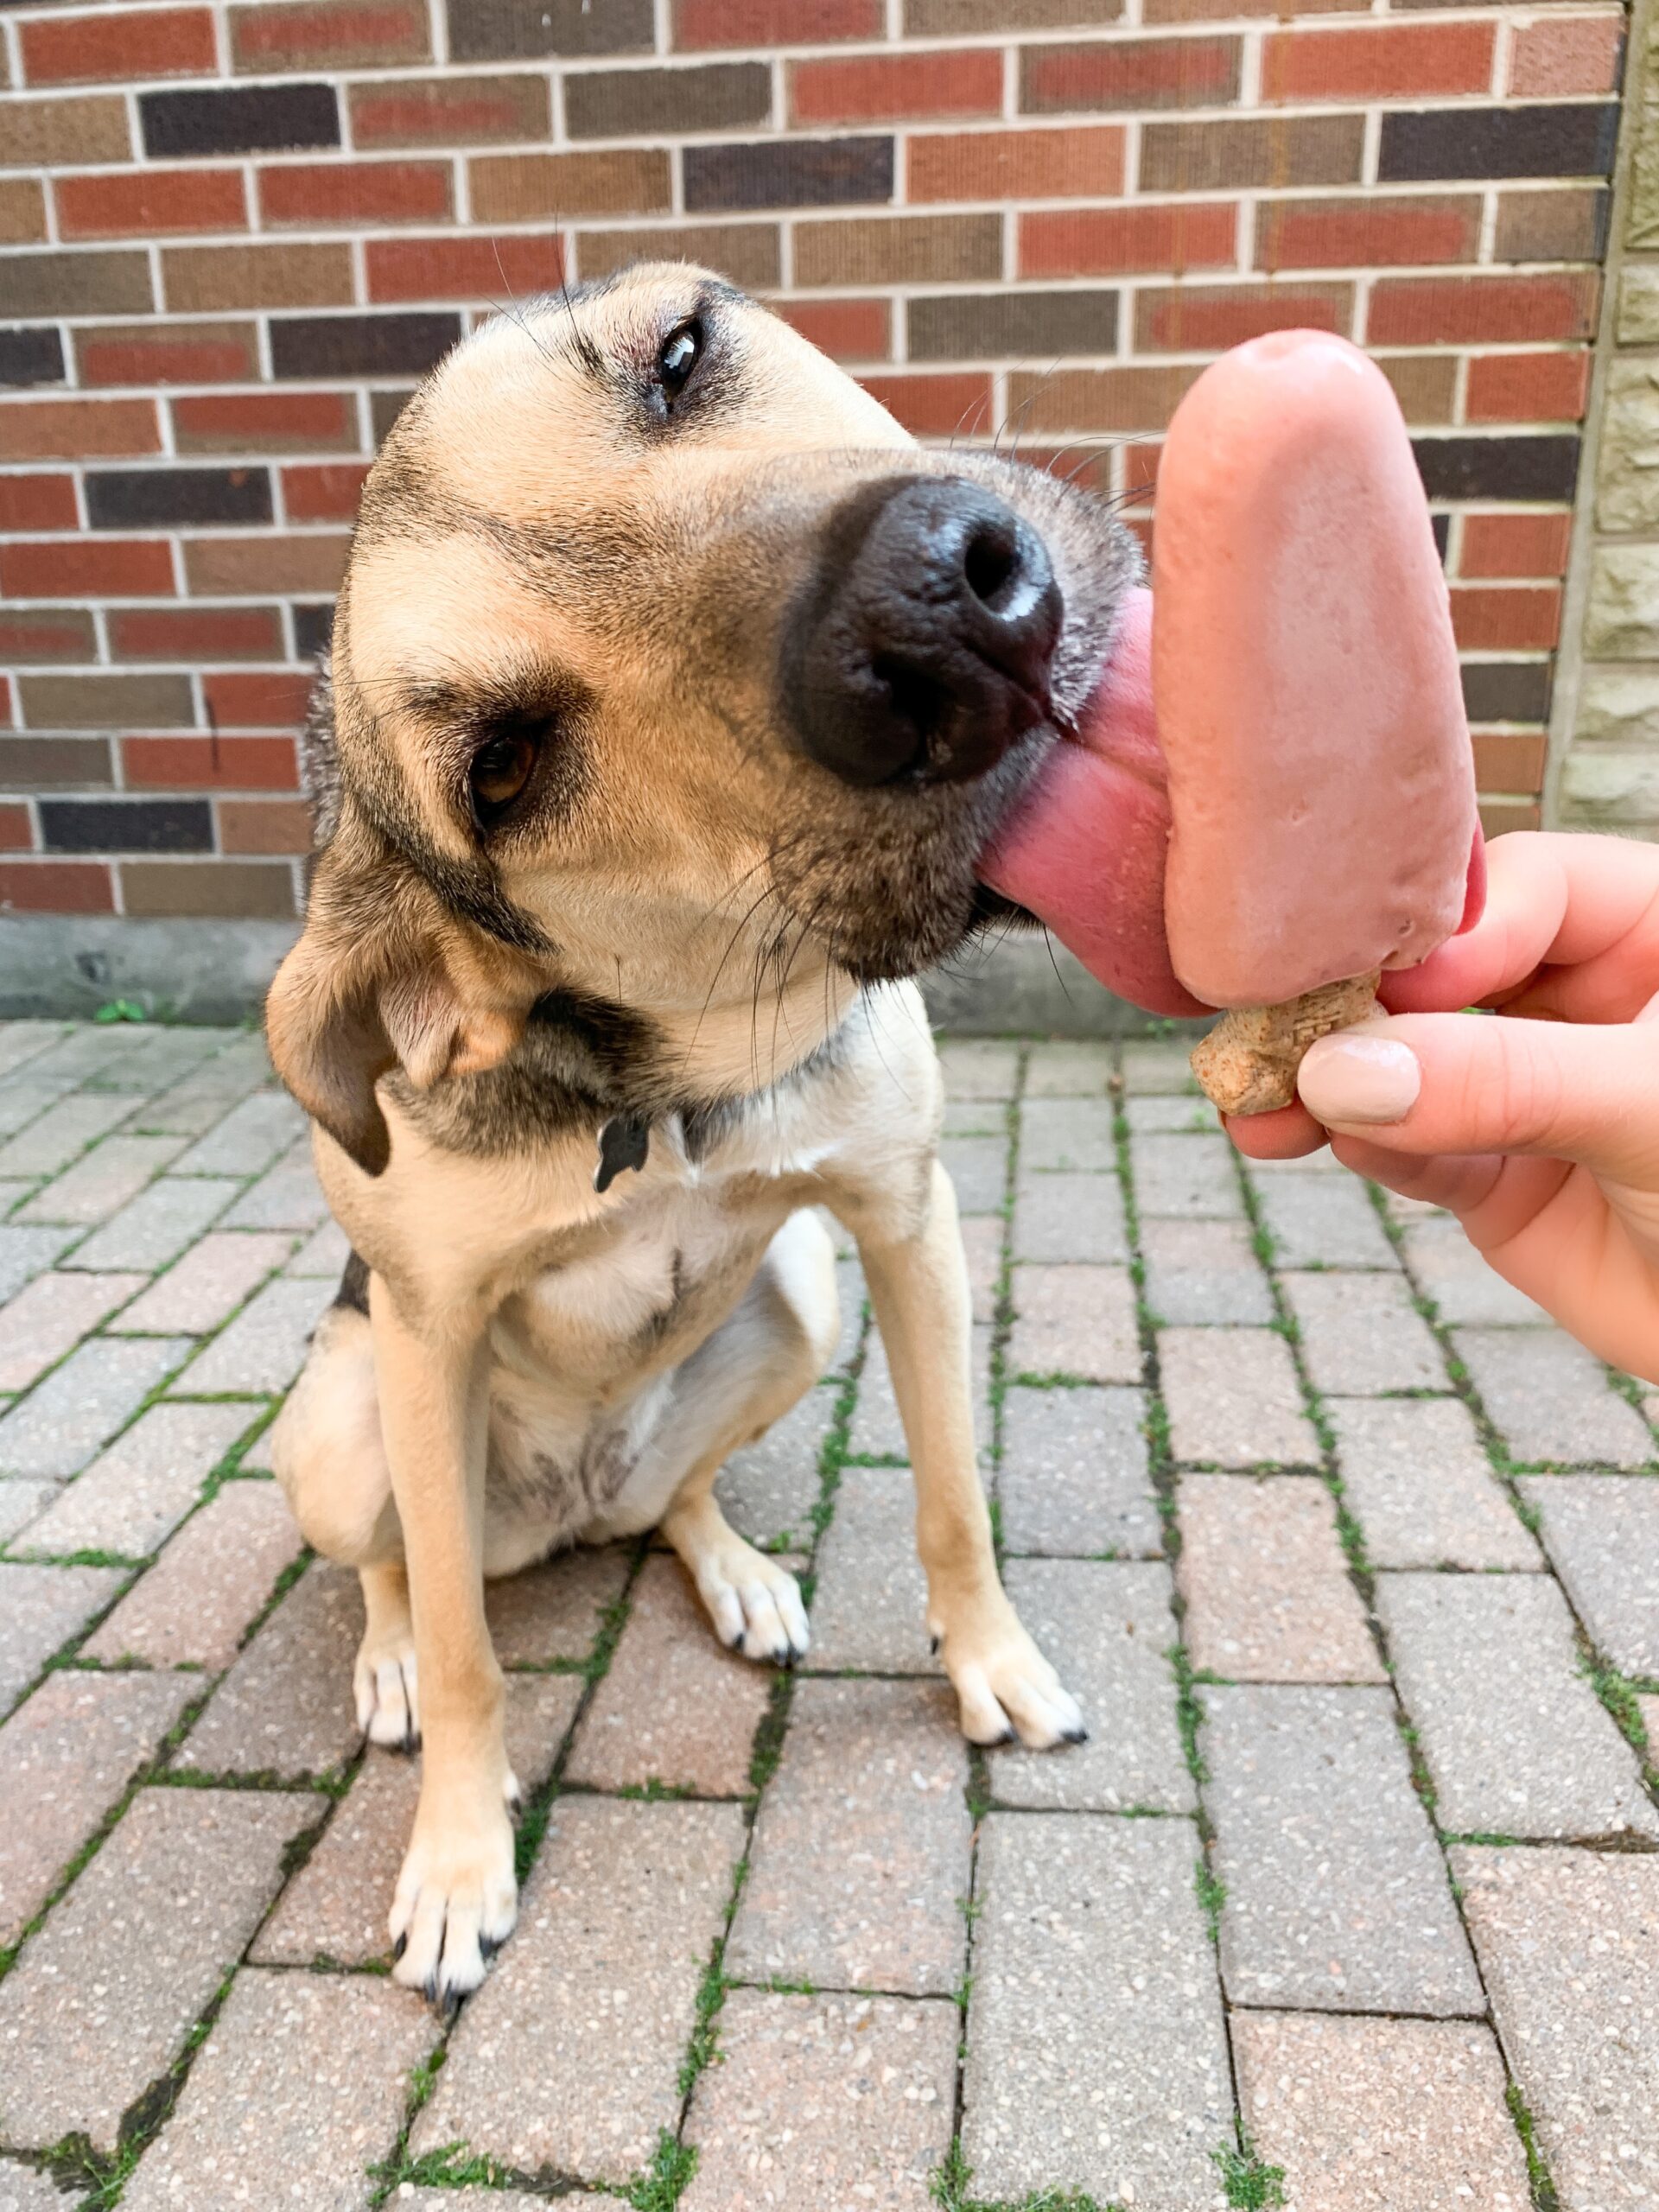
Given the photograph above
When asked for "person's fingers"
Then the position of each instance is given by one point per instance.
(1429, 1084)
(1290, 1134)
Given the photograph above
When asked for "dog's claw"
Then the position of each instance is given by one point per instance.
(398, 1948)
(1078, 1735)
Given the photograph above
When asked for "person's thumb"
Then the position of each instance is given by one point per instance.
(1462, 1083)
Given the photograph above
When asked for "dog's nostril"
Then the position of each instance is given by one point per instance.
(990, 562)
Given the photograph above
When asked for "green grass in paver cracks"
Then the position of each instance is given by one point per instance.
(951, 2189)
(1250, 2184)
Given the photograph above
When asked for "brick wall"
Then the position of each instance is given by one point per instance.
(231, 236)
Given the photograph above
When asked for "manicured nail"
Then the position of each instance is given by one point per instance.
(1355, 1077)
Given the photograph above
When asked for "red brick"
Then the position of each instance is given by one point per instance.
(1549, 60)
(1488, 619)
(355, 192)
(252, 825)
(449, 111)
(487, 269)
(1206, 319)
(191, 634)
(847, 330)
(1528, 387)
(7, 715)
(141, 202)
(264, 702)
(1378, 62)
(72, 430)
(328, 492)
(267, 421)
(336, 35)
(38, 502)
(1142, 73)
(118, 45)
(56, 887)
(1515, 545)
(140, 353)
(1083, 164)
(1476, 310)
(1121, 241)
(1366, 233)
(936, 406)
(1505, 760)
(15, 834)
(891, 87)
(211, 763)
(774, 22)
(88, 568)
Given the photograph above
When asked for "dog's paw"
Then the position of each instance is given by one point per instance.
(387, 1691)
(754, 1604)
(1005, 1689)
(456, 1901)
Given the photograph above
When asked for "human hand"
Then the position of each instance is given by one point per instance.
(1537, 1125)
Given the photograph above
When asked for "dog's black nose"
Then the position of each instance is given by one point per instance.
(923, 650)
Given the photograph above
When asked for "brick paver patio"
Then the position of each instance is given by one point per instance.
(1351, 1903)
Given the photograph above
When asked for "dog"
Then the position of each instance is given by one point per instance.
(675, 692)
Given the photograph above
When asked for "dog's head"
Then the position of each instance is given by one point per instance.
(671, 673)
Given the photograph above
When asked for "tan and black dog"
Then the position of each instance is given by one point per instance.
(675, 693)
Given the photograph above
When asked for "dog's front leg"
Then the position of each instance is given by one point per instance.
(919, 1286)
(456, 1896)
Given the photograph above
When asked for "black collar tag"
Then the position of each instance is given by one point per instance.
(621, 1144)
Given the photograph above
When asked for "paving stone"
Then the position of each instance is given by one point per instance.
(1070, 1067)
(878, 1433)
(21, 1502)
(136, 1492)
(47, 1146)
(146, 1060)
(1097, 2058)
(871, 1598)
(1061, 1217)
(51, 1315)
(768, 1490)
(1337, 1895)
(13, 1190)
(158, 1224)
(1192, 1178)
(1516, 1739)
(975, 1117)
(286, 1705)
(304, 2077)
(1377, 2115)
(852, 1297)
(1108, 1630)
(1649, 1708)
(324, 1252)
(407, 2198)
(1462, 1286)
(1233, 1398)
(248, 1138)
(193, 1106)
(102, 1998)
(23, 1101)
(66, 1755)
(336, 1906)
(861, 1854)
(1076, 1134)
(208, 1283)
(1568, 1942)
(192, 1607)
(1602, 1534)
(822, 2102)
(978, 1167)
(596, 1994)
(60, 1424)
(1550, 1399)
(1158, 1066)
(1202, 1272)
(1323, 1220)
(1074, 1479)
(675, 1707)
(287, 1196)
(1173, 1115)
(264, 1348)
(113, 1171)
(1362, 1335)
(1077, 1320)
(982, 1245)
(24, 1041)
(979, 1067)
(553, 1611)
(1266, 1588)
(24, 1252)
(1417, 1478)
(41, 1608)
(86, 1050)
(29, 2188)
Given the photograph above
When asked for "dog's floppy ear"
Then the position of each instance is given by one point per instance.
(384, 976)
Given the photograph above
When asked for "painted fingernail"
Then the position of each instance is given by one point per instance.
(1355, 1077)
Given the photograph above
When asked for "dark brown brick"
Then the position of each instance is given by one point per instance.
(1551, 226)
(31, 357)
(197, 278)
(1281, 150)
(748, 254)
(649, 103)
(208, 888)
(505, 30)
(313, 628)
(359, 345)
(156, 499)
(106, 702)
(1012, 326)
(384, 408)
(1099, 399)
(46, 134)
(92, 282)
(1531, 468)
(170, 353)
(959, 18)
(126, 825)
(902, 249)
(1489, 142)
(56, 764)
(327, 35)
(46, 633)
(788, 173)
(1506, 691)
(514, 187)
(234, 567)
(1130, 73)
(22, 211)
(239, 119)
(416, 111)
(56, 887)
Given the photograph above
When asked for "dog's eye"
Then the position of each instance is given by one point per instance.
(500, 771)
(678, 357)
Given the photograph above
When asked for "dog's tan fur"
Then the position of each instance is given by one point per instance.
(680, 922)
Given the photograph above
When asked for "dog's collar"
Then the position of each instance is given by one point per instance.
(622, 1143)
